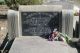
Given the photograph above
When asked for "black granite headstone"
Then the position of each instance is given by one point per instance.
(40, 23)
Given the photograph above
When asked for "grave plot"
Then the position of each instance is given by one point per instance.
(39, 20)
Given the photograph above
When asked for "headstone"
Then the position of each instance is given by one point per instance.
(40, 20)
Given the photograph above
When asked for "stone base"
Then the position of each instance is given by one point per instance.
(36, 44)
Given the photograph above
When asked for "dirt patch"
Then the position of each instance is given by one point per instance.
(3, 29)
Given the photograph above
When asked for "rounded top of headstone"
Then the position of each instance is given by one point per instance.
(39, 8)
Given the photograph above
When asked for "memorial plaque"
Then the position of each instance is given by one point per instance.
(40, 23)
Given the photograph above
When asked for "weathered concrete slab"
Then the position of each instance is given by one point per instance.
(35, 44)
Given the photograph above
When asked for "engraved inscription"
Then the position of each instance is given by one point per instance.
(39, 23)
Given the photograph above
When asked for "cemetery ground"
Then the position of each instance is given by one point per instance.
(3, 29)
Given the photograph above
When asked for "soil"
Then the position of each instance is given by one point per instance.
(3, 30)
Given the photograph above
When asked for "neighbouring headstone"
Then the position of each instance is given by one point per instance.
(76, 27)
(79, 23)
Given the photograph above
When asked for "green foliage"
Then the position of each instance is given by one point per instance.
(15, 3)
(37, 1)
(29, 2)
(2, 2)
(23, 2)
(11, 3)
(67, 38)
